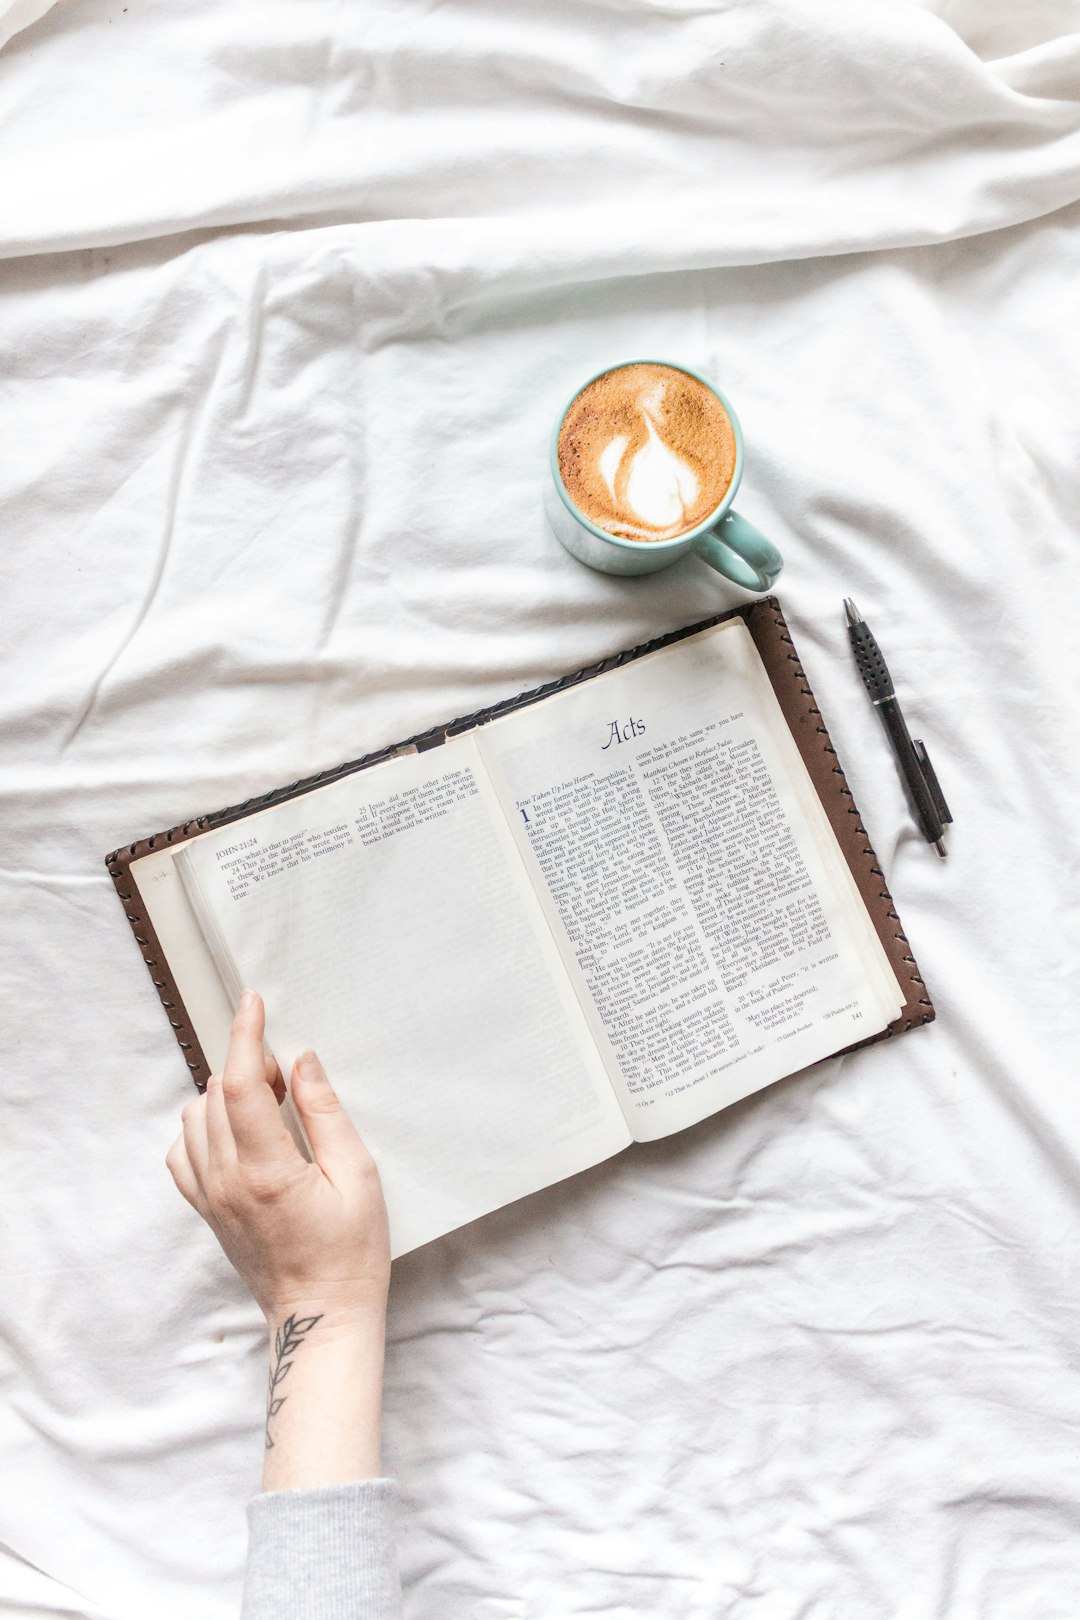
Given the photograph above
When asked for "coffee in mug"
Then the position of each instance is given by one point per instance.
(646, 452)
(645, 462)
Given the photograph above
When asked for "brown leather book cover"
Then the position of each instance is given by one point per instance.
(768, 627)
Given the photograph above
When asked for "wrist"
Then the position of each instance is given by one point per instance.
(328, 1312)
(322, 1421)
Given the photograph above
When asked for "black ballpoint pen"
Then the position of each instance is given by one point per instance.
(919, 776)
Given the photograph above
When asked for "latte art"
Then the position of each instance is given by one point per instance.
(646, 452)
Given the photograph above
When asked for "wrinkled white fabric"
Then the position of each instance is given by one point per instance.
(18, 14)
(289, 296)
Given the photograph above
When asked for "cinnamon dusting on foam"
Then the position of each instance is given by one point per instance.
(646, 452)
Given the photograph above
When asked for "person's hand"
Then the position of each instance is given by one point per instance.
(308, 1239)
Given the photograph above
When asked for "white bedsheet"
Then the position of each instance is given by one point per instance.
(289, 295)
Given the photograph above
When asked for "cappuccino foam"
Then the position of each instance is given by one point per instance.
(646, 452)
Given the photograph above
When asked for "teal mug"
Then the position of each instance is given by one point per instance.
(726, 541)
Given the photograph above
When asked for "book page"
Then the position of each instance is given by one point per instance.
(205, 997)
(387, 922)
(701, 901)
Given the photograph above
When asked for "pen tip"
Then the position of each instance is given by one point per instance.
(853, 614)
(939, 845)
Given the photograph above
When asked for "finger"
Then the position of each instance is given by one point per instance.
(179, 1167)
(193, 1116)
(334, 1139)
(274, 1078)
(219, 1136)
(252, 1112)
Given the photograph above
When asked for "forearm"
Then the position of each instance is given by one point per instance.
(324, 1397)
(322, 1532)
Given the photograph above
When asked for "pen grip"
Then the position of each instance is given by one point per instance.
(911, 769)
(871, 665)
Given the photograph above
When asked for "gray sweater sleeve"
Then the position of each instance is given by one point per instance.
(326, 1552)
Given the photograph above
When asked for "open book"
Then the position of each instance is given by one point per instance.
(596, 917)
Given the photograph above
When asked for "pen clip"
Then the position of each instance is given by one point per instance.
(932, 784)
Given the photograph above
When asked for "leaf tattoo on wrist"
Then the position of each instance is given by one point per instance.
(287, 1340)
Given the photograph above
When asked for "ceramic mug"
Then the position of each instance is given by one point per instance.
(726, 541)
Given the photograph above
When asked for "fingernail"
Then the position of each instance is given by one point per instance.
(309, 1066)
(247, 999)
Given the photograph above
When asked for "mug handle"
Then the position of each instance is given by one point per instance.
(736, 549)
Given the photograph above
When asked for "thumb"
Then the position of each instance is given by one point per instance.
(334, 1139)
